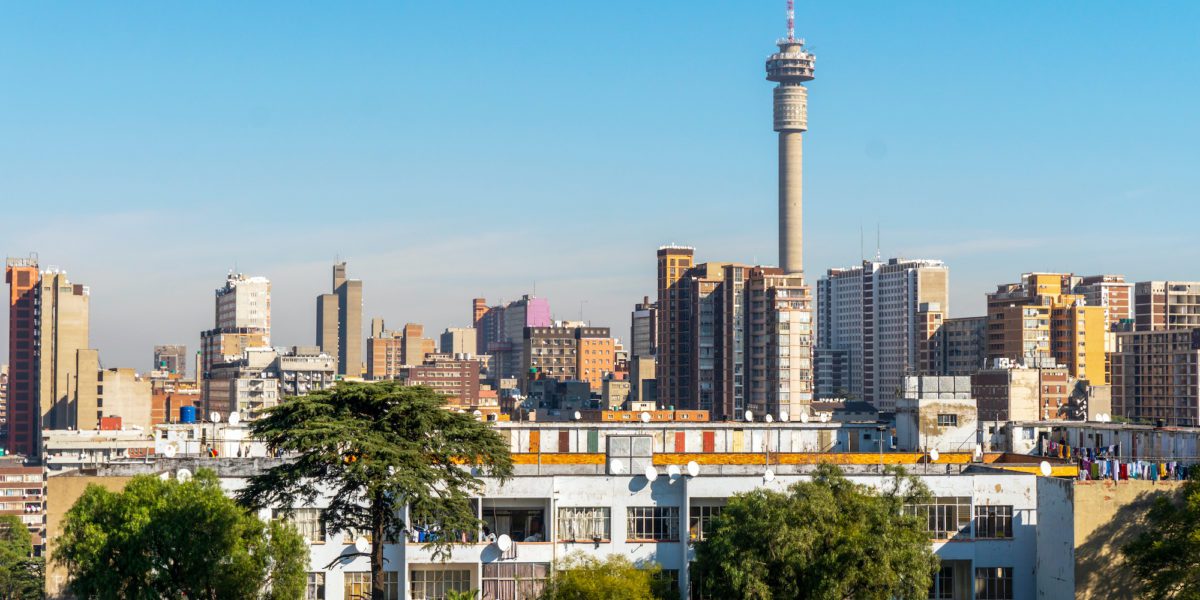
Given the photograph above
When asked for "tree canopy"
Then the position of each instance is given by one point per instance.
(1166, 556)
(20, 572)
(370, 449)
(824, 539)
(584, 577)
(160, 538)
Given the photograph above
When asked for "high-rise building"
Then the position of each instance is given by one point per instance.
(62, 333)
(3, 396)
(1154, 377)
(458, 340)
(172, 360)
(778, 333)
(790, 67)
(567, 353)
(500, 330)
(1160, 305)
(878, 321)
(1112, 293)
(23, 413)
(339, 322)
(1040, 322)
(243, 321)
(643, 329)
(674, 330)
(457, 379)
(960, 347)
(387, 355)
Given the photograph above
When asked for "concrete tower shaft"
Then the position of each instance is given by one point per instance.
(790, 68)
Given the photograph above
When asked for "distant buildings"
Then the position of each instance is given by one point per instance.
(1155, 377)
(960, 346)
(243, 320)
(1161, 305)
(339, 322)
(458, 340)
(643, 329)
(392, 351)
(500, 330)
(456, 378)
(561, 353)
(171, 360)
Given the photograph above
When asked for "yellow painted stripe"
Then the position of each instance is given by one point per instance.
(1055, 470)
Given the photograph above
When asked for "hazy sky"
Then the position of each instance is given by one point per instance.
(455, 149)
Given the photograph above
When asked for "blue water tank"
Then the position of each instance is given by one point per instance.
(187, 414)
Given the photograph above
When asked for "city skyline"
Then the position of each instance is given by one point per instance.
(162, 256)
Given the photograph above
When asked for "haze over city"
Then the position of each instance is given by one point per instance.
(448, 151)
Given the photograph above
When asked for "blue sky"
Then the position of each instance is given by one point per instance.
(455, 149)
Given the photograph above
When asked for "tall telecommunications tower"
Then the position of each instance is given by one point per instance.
(790, 67)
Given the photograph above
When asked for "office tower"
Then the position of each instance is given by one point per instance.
(414, 346)
(642, 384)
(397, 349)
(243, 320)
(1040, 322)
(1160, 305)
(878, 321)
(1154, 376)
(339, 322)
(674, 348)
(479, 310)
(643, 329)
(22, 426)
(377, 327)
(790, 67)
(171, 359)
(500, 330)
(458, 340)
(960, 346)
(62, 332)
(567, 353)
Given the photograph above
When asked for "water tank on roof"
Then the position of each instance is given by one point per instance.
(187, 414)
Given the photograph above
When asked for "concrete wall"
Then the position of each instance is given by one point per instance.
(61, 494)
(1055, 567)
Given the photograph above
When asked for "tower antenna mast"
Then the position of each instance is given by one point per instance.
(791, 14)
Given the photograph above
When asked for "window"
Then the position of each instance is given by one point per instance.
(309, 522)
(316, 587)
(659, 523)
(993, 522)
(946, 518)
(700, 519)
(943, 584)
(514, 581)
(945, 420)
(520, 524)
(993, 583)
(356, 585)
(583, 524)
(433, 585)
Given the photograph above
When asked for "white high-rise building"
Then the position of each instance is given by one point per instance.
(244, 303)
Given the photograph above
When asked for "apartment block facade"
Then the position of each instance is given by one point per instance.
(1155, 377)
(1163, 305)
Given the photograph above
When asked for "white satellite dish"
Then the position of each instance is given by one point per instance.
(693, 468)
(651, 474)
(1045, 469)
(362, 545)
(784, 416)
(803, 417)
(215, 417)
(768, 476)
(645, 417)
(934, 455)
(673, 472)
(617, 466)
(578, 415)
(171, 450)
(504, 543)
(769, 418)
(183, 475)
(478, 414)
(234, 418)
(749, 415)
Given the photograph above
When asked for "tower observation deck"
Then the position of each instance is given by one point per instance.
(790, 67)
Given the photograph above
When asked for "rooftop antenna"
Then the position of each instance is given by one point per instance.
(862, 244)
(791, 14)
(878, 255)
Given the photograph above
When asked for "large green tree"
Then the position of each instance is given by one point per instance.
(584, 577)
(824, 539)
(1166, 556)
(371, 449)
(161, 538)
(20, 572)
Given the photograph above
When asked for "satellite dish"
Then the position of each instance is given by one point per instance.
(478, 414)
(504, 543)
(769, 418)
(693, 468)
(1045, 469)
(645, 417)
(578, 415)
(171, 450)
(768, 476)
(215, 417)
(183, 475)
(749, 415)
(933, 455)
(673, 472)
(234, 418)
(803, 417)
(824, 417)
(362, 545)
(650, 473)
(617, 466)
(784, 416)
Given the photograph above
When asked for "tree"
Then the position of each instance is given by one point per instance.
(20, 572)
(373, 449)
(160, 538)
(827, 538)
(583, 577)
(1166, 556)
